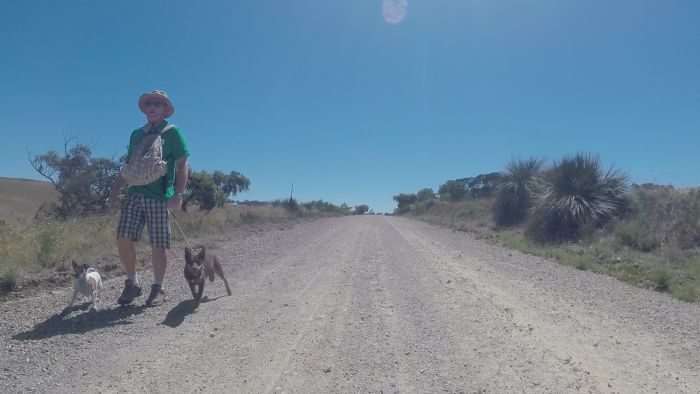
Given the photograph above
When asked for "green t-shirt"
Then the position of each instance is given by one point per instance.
(174, 148)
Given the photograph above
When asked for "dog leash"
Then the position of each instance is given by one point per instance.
(187, 241)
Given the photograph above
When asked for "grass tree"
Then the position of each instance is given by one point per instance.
(578, 194)
(515, 196)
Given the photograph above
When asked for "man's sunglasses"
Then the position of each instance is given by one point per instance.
(153, 103)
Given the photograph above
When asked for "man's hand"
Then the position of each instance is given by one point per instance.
(175, 203)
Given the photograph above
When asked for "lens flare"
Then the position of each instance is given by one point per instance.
(394, 11)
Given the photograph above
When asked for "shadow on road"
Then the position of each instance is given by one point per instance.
(177, 315)
(61, 324)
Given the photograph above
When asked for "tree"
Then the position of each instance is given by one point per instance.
(83, 182)
(482, 185)
(361, 209)
(229, 185)
(213, 190)
(426, 194)
(201, 190)
(326, 207)
(452, 191)
(404, 202)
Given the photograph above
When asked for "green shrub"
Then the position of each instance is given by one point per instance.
(426, 194)
(452, 191)
(661, 279)
(662, 215)
(420, 208)
(636, 234)
(8, 280)
(689, 292)
(48, 241)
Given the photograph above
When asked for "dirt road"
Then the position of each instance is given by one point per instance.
(363, 305)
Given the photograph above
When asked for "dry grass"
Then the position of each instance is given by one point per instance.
(662, 217)
(50, 246)
(20, 198)
(199, 223)
(656, 246)
(30, 249)
(471, 215)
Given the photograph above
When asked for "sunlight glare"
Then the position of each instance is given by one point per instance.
(394, 11)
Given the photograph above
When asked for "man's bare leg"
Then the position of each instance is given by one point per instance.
(127, 255)
(160, 263)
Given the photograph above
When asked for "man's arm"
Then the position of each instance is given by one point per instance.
(179, 151)
(181, 175)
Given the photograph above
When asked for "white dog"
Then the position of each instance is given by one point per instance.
(87, 283)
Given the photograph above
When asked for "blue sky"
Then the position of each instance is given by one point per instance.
(350, 108)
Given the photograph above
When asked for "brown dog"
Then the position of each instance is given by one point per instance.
(199, 268)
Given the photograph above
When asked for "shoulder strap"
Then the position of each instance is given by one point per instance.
(166, 128)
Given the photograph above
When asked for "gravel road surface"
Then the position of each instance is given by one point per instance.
(361, 305)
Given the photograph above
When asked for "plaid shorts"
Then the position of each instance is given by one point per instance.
(136, 212)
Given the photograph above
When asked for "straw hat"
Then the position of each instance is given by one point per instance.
(157, 95)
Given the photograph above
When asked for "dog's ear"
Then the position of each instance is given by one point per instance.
(202, 254)
(188, 255)
(85, 267)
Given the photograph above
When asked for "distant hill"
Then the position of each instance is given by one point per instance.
(20, 198)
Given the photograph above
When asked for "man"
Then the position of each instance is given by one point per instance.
(148, 205)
